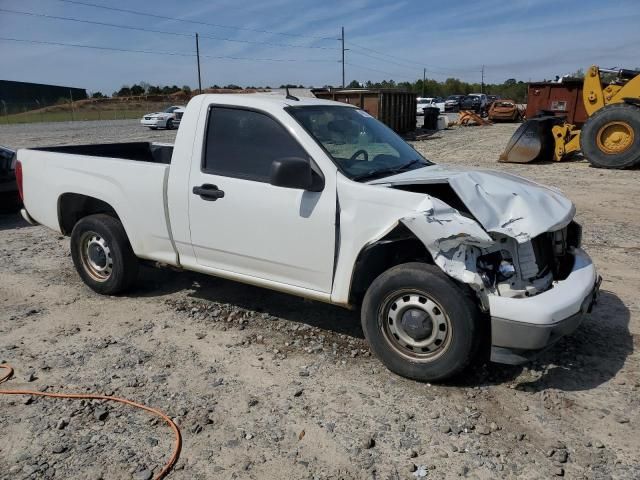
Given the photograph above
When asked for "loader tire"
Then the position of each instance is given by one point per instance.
(102, 254)
(610, 138)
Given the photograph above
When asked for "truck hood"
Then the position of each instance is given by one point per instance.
(501, 202)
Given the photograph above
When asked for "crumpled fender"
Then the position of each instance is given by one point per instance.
(453, 240)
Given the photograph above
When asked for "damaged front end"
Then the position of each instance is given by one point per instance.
(493, 263)
(515, 244)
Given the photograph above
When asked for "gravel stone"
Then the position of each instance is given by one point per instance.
(100, 414)
(143, 475)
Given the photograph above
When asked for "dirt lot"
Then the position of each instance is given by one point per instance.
(268, 386)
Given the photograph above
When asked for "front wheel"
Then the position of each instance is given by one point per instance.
(169, 125)
(420, 323)
(102, 254)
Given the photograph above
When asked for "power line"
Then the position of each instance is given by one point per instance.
(383, 59)
(162, 32)
(197, 22)
(375, 70)
(413, 67)
(155, 52)
(408, 63)
(95, 47)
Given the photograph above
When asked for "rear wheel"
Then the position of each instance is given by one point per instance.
(420, 323)
(102, 254)
(610, 138)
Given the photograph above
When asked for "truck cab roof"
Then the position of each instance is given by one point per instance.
(264, 100)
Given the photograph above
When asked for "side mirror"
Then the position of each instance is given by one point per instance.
(295, 172)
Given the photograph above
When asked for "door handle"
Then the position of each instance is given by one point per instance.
(208, 192)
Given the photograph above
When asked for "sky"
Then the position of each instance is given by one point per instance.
(272, 42)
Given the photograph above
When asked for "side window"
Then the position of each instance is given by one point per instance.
(243, 144)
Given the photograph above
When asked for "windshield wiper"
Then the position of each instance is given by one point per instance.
(387, 171)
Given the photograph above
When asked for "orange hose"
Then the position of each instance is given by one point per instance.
(178, 438)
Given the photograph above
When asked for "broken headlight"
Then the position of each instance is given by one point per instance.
(495, 267)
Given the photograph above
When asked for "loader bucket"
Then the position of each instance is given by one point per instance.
(532, 141)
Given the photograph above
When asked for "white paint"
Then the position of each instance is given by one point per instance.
(285, 239)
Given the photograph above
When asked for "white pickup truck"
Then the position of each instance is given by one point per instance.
(319, 199)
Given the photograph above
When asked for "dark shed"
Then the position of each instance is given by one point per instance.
(395, 108)
(21, 96)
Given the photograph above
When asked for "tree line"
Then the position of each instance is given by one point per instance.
(511, 88)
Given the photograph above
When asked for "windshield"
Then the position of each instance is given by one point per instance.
(170, 109)
(362, 147)
(454, 97)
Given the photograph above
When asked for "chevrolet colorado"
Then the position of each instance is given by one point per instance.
(319, 199)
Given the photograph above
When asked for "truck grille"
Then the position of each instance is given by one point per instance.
(551, 251)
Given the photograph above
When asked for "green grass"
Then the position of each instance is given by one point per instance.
(67, 116)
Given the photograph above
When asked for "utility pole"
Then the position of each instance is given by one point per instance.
(424, 79)
(198, 57)
(482, 83)
(342, 39)
(71, 104)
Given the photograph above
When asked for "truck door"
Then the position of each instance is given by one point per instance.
(242, 224)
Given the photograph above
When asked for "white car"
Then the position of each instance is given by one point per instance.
(169, 118)
(319, 199)
(424, 102)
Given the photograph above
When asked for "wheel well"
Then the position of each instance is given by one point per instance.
(73, 206)
(398, 246)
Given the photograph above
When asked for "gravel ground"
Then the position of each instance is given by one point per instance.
(265, 385)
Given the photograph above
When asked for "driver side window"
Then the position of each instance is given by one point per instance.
(244, 143)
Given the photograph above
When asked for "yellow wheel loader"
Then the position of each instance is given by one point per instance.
(610, 138)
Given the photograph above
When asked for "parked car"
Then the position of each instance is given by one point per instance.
(424, 102)
(504, 110)
(452, 103)
(476, 102)
(491, 99)
(9, 198)
(169, 118)
(318, 199)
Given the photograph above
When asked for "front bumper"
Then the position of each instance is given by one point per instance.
(153, 122)
(523, 327)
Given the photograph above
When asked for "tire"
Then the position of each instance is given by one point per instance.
(600, 130)
(454, 321)
(102, 254)
(169, 124)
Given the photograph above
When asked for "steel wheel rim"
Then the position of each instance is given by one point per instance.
(615, 137)
(436, 335)
(96, 256)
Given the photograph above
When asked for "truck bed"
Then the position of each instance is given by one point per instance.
(131, 178)
(138, 151)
